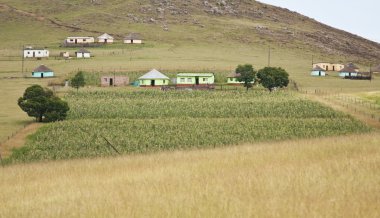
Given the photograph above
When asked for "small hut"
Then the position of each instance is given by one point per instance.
(82, 53)
(105, 38)
(64, 54)
(348, 71)
(318, 71)
(153, 78)
(133, 38)
(195, 79)
(42, 72)
(106, 81)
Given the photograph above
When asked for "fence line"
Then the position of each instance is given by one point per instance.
(356, 104)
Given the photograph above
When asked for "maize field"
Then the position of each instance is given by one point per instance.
(112, 121)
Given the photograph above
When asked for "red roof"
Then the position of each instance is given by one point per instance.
(42, 68)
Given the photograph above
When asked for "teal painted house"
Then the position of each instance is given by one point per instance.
(348, 71)
(42, 72)
(318, 71)
(195, 79)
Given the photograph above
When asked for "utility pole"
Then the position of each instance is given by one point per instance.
(370, 73)
(269, 57)
(312, 60)
(22, 60)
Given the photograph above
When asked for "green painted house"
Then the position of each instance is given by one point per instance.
(195, 79)
(42, 72)
(153, 78)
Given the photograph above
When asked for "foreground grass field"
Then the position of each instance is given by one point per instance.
(325, 177)
(106, 122)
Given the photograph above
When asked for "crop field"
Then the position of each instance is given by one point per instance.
(105, 122)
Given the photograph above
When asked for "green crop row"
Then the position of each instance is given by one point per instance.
(103, 137)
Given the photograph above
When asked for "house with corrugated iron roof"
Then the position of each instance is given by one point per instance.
(42, 72)
(195, 79)
(153, 78)
(83, 53)
(105, 38)
(318, 71)
(133, 38)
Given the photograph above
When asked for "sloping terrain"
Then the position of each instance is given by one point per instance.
(182, 22)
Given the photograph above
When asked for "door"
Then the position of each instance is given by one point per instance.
(196, 80)
(327, 68)
(42, 75)
(152, 82)
(105, 41)
(333, 68)
(76, 41)
(320, 74)
(111, 81)
(34, 54)
(132, 41)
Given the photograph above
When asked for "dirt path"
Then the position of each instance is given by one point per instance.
(18, 140)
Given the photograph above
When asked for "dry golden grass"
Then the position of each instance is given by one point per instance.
(328, 177)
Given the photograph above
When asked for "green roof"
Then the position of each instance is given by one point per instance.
(195, 74)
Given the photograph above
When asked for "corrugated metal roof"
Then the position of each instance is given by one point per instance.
(105, 36)
(154, 74)
(196, 74)
(82, 50)
(42, 68)
(318, 68)
(133, 36)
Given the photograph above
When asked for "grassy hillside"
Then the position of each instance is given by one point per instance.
(178, 22)
(325, 177)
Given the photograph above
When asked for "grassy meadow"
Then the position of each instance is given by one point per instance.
(324, 177)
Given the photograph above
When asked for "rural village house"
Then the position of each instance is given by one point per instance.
(133, 38)
(195, 79)
(329, 66)
(64, 54)
(318, 71)
(114, 81)
(82, 53)
(80, 40)
(232, 79)
(153, 78)
(353, 66)
(348, 71)
(42, 72)
(105, 38)
(35, 53)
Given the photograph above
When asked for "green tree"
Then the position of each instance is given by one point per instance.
(247, 75)
(78, 80)
(42, 104)
(273, 77)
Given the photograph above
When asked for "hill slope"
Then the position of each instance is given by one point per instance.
(179, 22)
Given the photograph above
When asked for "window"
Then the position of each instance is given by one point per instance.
(105, 79)
(84, 40)
(182, 80)
(28, 52)
(189, 80)
(71, 40)
(205, 79)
